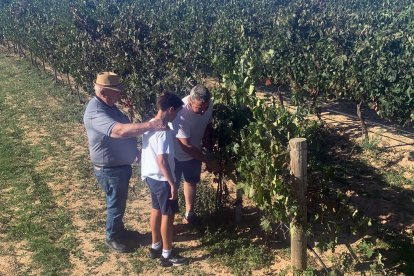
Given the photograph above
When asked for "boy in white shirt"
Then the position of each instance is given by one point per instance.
(157, 168)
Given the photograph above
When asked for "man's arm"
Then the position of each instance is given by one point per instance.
(191, 150)
(134, 129)
(195, 153)
(162, 161)
(183, 136)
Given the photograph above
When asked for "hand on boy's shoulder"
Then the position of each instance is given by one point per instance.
(165, 128)
(158, 124)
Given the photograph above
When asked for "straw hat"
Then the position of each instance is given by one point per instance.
(109, 80)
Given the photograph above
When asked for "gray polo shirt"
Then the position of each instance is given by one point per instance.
(99, 120)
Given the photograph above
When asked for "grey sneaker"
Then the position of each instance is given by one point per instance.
(154, 253)
(192, 219)
(173, 260)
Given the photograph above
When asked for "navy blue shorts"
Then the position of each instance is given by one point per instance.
(160, 194)
(191, 170)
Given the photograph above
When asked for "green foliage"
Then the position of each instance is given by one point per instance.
(366, 248)
(252, 138)
(205, 205)
(360, 50)
(205, 199)
(369, 251)
(372, 145)
(237, 253)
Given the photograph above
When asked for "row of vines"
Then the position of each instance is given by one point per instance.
(343, 49)
(355, 50)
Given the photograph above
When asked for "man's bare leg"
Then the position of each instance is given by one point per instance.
(189, 195)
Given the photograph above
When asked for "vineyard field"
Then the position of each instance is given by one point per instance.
(338, 73)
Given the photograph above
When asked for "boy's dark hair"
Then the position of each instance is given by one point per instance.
(167, 100)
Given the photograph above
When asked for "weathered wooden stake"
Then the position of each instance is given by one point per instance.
(31, 57)
(239, 206)
(70, 85)
(35, 63)
(361, 118)
(55, 77)
(280, 96)
(298, 164)
(78, 93)
(22, 53)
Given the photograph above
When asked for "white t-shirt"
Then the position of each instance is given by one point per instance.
(191, 125)
(153, 144)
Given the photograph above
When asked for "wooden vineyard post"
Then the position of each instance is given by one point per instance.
(239, 206)
(298, 165)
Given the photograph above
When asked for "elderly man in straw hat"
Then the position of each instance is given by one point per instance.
(113, 148)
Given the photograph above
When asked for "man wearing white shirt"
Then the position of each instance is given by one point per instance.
(193, 129)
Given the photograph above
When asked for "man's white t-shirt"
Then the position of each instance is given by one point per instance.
(153, 144)
(191, 125)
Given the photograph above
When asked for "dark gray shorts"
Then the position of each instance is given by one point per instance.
(191, 170)
(160, 194)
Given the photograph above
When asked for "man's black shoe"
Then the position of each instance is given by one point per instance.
(154, 253)
(117, 245)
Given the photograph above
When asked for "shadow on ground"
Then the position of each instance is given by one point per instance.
(354, 202)
(361, 199)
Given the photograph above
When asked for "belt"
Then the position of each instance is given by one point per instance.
(99, 167)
